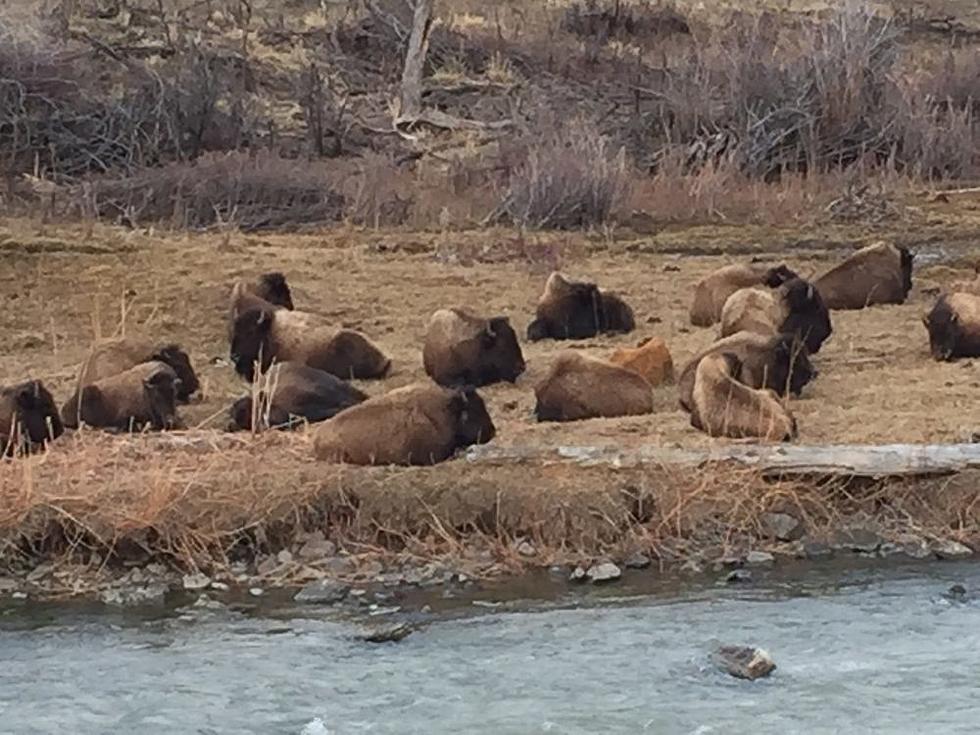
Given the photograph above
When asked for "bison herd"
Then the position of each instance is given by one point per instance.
(298, 364)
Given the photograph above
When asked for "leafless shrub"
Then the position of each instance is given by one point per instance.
(378, 191)
(570, 179)
(607, 19)
(252, 192)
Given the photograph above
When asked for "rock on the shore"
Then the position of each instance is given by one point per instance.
(387, 633)
(782, 526)
(150, 594)
(950, 549)
(815, 549)
(637, 561)
(744, 662)
(756, 558)
(739, 576)
(323, 592)
(196, 582)
(604, 572)
(526, 548)
(578, 575)
(317, 547)
(859, 540)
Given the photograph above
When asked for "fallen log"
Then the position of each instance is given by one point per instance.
(843, 461)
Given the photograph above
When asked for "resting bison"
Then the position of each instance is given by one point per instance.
(114, 356)
(269, 290)
(876, 274)
(579, 387)
(650, 359)
(576, 310)
(263, 335)
(724, 406)
(290, 394)
(778, 363)
(794, 308)
(145, 396)
(954, 326)
(712, 291)
(28, 417)
(420, 424)
(464, 349)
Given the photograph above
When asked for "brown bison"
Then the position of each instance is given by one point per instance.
(291, 394)
(576, 309)
(464, 349)
(579, 387)
(724, 406)
(779, 363)
(145, 396)
(650, 359)
(269, 291)
(420, 424)
(794, 308)
(263, 335)
(28, 417)
(712, 291)
(115, 356)
(876, 274)
(954, 326)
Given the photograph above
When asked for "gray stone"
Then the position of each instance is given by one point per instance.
(39, 572)
(782, 526)
(744, 662)
(267, 566)
(195, 582)
(813, 549)
(7, 585)
(135, 576)
(151, 594)
(956, 593)
(637, 561)
(284, 557)
(950, 549)
(323, 592)
(755, 558)
(204, 602)
(371, 569)
(19, 595)
(692, 567)
(317, 549)
(739, 576)
(387, 633)
(256, 591)
(526, 548)
(605, 572)
(220, 587)
(337, 566)
(917, 549)
(730, 561)
(861, 540)
(578, 575)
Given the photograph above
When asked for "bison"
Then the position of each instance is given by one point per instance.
(464, 349)
(578, 387)
(650, 359)
(263, 335)
(28, 417)
(290, 394)
(794, 308)
(145, 396)
(115, 356)
(876, 274)
(712, 291)
(779, 363)
(576, 310)
(724, 406)
(420, 424)
(269, 291)
(954, 326)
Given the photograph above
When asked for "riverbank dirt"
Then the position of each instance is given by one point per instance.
(207, 500)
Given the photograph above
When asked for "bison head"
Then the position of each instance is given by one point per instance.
(472, 422)
(943, 324)
(176, 358)
(273, 288)
(807, 314)
(36, 412)
(249, 339)
(789, 366)
(777, 276)
(500, 356)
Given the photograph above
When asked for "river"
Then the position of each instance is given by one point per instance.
(869, 649)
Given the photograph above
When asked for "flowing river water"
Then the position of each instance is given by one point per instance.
(859, 650)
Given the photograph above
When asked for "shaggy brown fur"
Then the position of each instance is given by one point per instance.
(576, 310)
(420, 424)
(580, 387)
(305, 338)
(115, 356)
(712, 291)
(464, 349)
(954, 326)
(877, 274)
(269, 290)
(144, 396)
(650, 359)
(291, 394)
(28, 417)
(793, 308)
(778, 363)
(724, 406)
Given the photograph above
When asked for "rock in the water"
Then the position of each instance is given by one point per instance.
(759, 557)
(637, 561)
(813, 549)
(256, 591)
(950, 549)
(387, 633)
(151, 594)
(739, 576)
(195, 582)
(605, 572)
(744, 662)
(323, 592)
(578, 575)
(956, 593)
(860, 540)
(782, 526)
